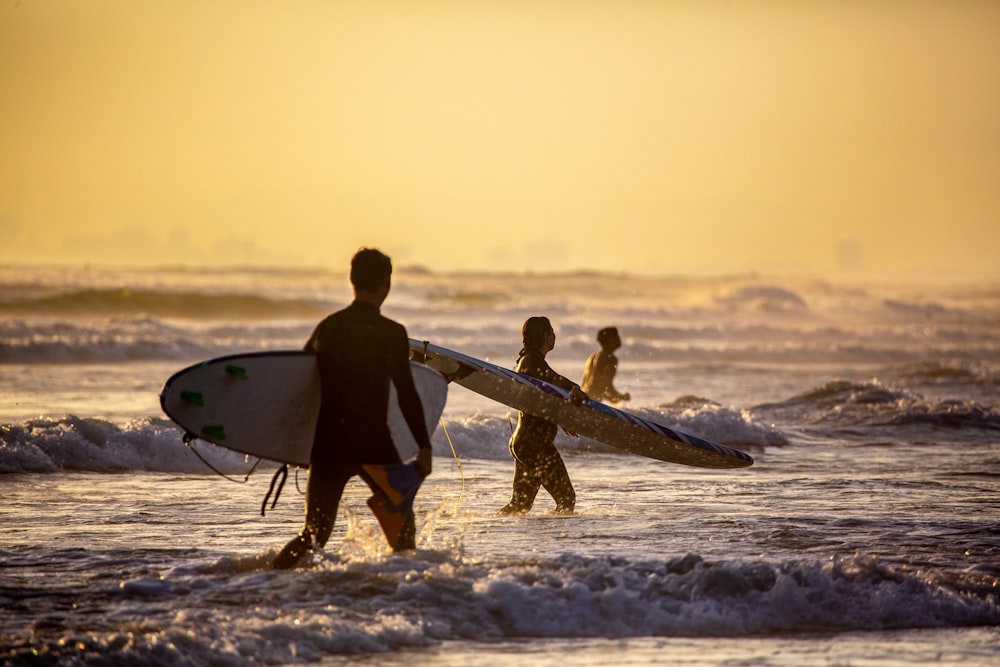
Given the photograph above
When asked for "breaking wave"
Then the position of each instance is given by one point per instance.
(345, 606)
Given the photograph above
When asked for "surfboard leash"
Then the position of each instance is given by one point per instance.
(461, 471)
(281, 473)
(189, 439)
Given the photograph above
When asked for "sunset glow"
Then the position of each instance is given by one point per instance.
(647, 137)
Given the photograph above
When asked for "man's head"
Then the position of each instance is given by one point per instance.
(370, 270)
(608, 337)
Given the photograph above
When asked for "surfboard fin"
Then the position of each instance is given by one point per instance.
(392, 504)
(193, 397)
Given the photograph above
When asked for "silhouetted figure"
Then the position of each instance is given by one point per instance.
(599, 374)
(536, 460)
(358, 352)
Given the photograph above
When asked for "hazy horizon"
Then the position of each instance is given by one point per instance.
(687, 138)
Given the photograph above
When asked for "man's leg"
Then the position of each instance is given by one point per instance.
(323, 492)
(407, 537)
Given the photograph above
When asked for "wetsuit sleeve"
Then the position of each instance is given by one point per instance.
(558, 380)
(535, 365)
(409, 400)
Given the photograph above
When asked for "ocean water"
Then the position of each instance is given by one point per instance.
(866, 533)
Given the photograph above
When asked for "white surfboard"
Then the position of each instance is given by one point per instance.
(265, 404)
(593, 419)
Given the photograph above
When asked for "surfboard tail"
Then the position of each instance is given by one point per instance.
(392, 504)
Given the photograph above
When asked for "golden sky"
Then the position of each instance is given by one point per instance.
(656, 136)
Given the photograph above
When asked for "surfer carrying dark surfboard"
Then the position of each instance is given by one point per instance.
(359, 352)
(537, 462)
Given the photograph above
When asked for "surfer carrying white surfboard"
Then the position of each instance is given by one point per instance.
(359, 352)
(602, 365)
(537, 462)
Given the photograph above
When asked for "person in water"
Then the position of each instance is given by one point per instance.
(358, 352)
(536, 460)
(599, 374)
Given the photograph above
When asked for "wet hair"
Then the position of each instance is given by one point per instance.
(606, 335)
(533, 332)
(369, 268)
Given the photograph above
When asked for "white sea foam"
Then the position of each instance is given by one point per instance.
(868, 519)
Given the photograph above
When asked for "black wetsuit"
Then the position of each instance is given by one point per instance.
(358, 352)
(536, 460)
(599, 375)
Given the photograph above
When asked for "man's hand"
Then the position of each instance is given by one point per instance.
(424, 463)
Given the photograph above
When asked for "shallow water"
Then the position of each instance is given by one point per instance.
(866, 533)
